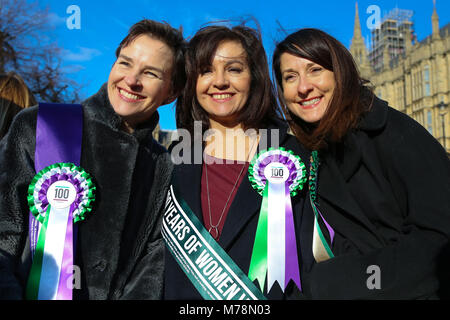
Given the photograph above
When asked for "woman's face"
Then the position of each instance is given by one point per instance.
(140, 79)
(223, 87)
(307, 87)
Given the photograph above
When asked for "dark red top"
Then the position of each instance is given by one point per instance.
(222, 175)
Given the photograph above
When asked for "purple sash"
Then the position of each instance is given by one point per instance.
(58, 139)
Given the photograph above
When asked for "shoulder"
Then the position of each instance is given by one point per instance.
(401, 131)
(400, 139)
(18, 145)
(27, 116)
(401, 124)
(391, 126)
(23, 127)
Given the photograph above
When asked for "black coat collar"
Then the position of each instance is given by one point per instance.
(347, 154)
(99, 108)
(376, 118)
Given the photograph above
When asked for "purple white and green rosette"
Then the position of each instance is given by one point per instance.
(277, 174)
(58, 196)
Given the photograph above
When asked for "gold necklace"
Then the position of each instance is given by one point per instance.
(212, 226)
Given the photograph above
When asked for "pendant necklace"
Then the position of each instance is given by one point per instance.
(214, 230)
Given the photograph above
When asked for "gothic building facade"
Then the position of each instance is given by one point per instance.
(413, 77)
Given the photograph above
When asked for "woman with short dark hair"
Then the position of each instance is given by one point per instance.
(115, 250)
(172, 37)
(217, 198)
(379, 182)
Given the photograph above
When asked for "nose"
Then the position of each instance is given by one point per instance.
(132, 79)
(220, 80)
(304, 86)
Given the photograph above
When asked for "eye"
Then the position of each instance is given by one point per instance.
(235, 69)
(205, 71)
(151, 74)
(124, 63)
(289, 77)
(316, 69)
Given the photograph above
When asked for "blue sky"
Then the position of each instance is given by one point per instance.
(88, 52)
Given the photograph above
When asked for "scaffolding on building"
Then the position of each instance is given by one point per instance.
(390, 37)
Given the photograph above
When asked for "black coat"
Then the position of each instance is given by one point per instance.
(239, 230)
(131, 173)
(386, 192)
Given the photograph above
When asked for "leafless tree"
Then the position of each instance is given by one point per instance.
(26, 48)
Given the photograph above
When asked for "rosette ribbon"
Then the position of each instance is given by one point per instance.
(58, 196)
(277, 174)
(321, 249)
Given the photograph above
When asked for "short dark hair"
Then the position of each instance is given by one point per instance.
(261, 105)
(172, 37)
(351, 97)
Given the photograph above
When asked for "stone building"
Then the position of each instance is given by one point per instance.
(414, 77)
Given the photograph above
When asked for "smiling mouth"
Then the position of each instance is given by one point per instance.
(221, 97)
(130, 97)
(310, 103)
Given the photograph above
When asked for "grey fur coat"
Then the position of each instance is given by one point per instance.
(121, 241)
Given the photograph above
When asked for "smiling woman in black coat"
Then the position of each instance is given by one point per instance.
(382, 181)
(228, 90)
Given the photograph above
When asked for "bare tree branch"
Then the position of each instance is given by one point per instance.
(24, 48)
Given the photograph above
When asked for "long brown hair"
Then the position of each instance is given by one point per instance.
(351, 97)
(14, 96)
(261, 105)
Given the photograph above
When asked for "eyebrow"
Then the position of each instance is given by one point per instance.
(289, 70)
(145, 67)
(234, 61)
(230, 62)
(308, 65)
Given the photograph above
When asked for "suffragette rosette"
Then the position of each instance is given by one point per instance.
(277, 174)
(321, 249)
(59, 195)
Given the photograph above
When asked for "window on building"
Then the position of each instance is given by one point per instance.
(418, 85)
(426, 81)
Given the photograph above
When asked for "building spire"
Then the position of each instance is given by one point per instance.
(358, 47)
(357, 27)
(435, 21)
